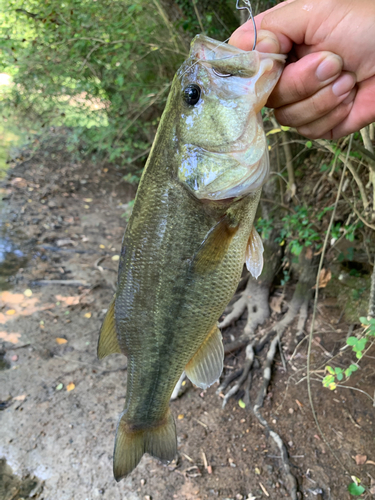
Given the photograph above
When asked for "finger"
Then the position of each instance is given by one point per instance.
(362, 112)
(321, 128)
(304, 78)
(318, 105)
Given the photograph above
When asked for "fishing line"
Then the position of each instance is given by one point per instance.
(249, 9)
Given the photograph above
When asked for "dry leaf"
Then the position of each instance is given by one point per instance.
(115, 257)
(101, 246)
(12, 298)
(70, 387)
(22, 397)
(10, 312)
(28, 293)
(360, 459)
(275, 303)
(370, 462)
(68, 301)
(13, 338)
(88, 315)
(180, 417)
(60, 341)
(324, 277)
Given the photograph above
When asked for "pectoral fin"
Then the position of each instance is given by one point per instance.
(206, 365)
(108, 343)
(214, 247)
(254, 254)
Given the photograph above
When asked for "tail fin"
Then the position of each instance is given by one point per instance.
(159, 441)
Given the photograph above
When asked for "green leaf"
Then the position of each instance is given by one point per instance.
(330, 370)
(361, 344)
(328, 381)
(340, 376)
(356, 489)
(363, 320)
(309, 144)
(241, 404)
(59, 387)
(352, 341)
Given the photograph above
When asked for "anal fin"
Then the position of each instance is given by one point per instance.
(254, 254)
(214, 247)
(206, 365)
(108, 343)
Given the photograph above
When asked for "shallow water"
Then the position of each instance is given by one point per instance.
(12, 258)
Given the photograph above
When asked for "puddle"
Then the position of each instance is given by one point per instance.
(4, 365)
(15, 488)
(12, 255)
(12, 258)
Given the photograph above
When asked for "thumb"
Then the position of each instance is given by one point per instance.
(266, 41)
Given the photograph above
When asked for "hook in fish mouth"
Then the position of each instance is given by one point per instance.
(222, 75)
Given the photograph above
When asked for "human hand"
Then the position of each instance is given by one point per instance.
(328, 88)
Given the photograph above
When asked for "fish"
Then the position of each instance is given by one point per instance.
(190, 232)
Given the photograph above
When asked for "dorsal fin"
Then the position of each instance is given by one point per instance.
(108, 343)
(206, 365)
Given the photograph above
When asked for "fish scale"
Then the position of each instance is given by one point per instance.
(187, 240)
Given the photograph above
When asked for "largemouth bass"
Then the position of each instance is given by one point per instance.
(190, 232)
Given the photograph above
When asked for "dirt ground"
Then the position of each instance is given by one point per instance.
(59, 406)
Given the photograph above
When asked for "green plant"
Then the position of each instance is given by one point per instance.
(358, 346)
(299, 230)
(355, 488)
(103, 69)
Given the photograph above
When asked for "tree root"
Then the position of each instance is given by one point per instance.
(255, 299)
(290, 479)
(243, 377)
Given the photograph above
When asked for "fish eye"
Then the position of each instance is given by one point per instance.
(192, 94)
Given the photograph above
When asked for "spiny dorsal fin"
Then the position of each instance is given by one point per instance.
(206, 365)
(254, 254)
(108, 343)
(159, 441)
(214, 247)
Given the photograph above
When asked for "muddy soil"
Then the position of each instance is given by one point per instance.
(59, 404)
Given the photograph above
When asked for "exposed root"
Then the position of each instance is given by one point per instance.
(255, 299)
(245, 372)
(298, 308)
(291, 480)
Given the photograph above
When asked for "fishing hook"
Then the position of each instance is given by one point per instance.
(248, 8)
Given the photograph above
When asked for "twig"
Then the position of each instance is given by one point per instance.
(61, 282)
(198, 16)
(350, 167)
(328, 232)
